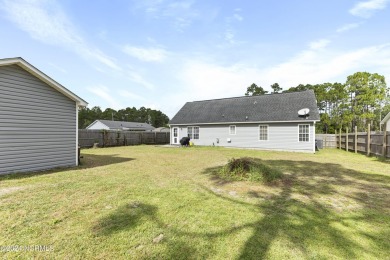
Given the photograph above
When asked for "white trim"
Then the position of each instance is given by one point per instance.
(77, 134)
(88, 127)
(42, 76)
(267, 132)
(308, 133)
(235, 130)
(251, 122)
(314, 134)
(193, 131)
(385, 119)
(178, 135)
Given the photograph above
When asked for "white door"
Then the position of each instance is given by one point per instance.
(175, 135)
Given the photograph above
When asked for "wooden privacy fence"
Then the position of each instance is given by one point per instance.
(370, 143)
(328, 140)
(87, 138)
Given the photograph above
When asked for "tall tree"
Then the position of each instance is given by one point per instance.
(144, 115)
(366, 93)
(110, 114)
(276, 88)
(254, 90)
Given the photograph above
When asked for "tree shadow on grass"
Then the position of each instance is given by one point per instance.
(125, 217)
(88, 162)
(314, 203)
(135, 213)
(307, 218)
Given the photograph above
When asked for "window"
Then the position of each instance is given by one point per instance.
(193, 132)
(304, 133)
(263, 133)
(232, 130)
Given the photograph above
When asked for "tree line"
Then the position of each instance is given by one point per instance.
(363, 99)
(143, 115)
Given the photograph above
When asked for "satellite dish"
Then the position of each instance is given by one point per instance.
(303, 112)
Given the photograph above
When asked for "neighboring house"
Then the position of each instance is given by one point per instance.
(386, 122)
(162, 130)
(264, 122)
(119, 126)
(38, 120)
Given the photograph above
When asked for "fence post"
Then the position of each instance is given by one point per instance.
(369, 140)
(384, 148)
(355, 139)
(346, 139)
(340, 139)
(155, 137)
(104, 138)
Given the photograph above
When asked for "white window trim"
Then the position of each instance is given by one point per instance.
(235, 130)
(193, 132)
(308, 133)
(173, 134)
(267, 133)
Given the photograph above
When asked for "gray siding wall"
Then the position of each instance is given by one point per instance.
(281, 136)
(37, 124)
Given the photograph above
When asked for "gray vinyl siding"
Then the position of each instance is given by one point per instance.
(37, 124)
(281, 136)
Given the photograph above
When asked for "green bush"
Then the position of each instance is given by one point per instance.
(249, 169)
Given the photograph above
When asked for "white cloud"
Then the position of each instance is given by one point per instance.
(58, 68)
(105, 93)
(367, 8)
(238, 17)
(229, 36)
(146, 54)
(311, 67)
(348, 27)
(206, 80)
(128, 94)
(230, 32)
(181, 13)
(44, 21)
(319, 44)
(139, 79)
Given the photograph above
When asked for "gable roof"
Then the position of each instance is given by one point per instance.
(385, 119)
(42, 76)
(124, 124)
(266, 108)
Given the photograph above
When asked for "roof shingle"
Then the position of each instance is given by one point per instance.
(265, 108)
(129, 125)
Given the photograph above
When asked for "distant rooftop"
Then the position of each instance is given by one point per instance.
(126, 125)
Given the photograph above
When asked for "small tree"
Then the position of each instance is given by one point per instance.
(276, 88)
(254, 90)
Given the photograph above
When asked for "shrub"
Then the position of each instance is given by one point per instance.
(249, 169)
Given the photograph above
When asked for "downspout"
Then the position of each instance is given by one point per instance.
(314, 134)
(77, 133)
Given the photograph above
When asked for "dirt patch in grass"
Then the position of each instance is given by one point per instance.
(4, 191)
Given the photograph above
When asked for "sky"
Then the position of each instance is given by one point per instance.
(160, 53)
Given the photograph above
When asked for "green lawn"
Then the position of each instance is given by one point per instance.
(332, 204)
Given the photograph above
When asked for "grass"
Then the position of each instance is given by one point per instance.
(147, 202)
(249, 169)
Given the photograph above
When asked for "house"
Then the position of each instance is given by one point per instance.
(38, 120)
(119, 126)
(263, 122)
(386, 122)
